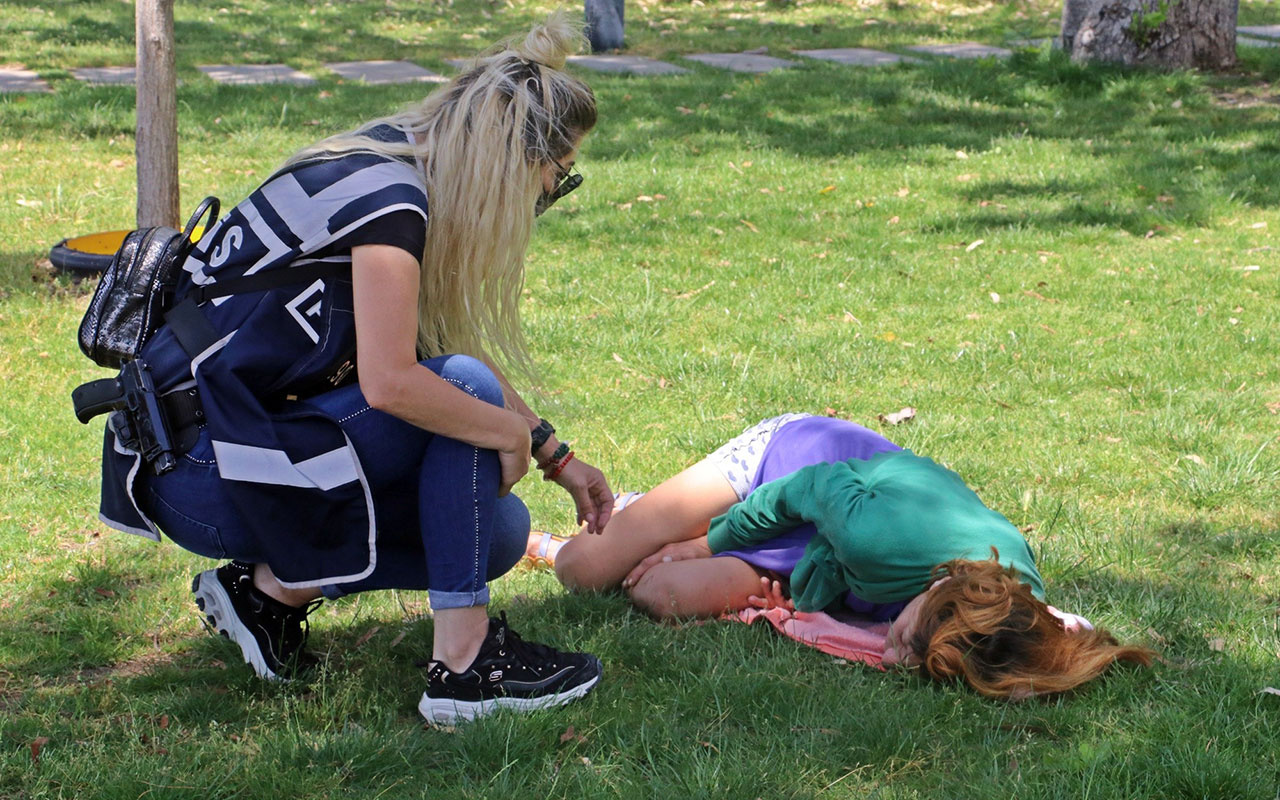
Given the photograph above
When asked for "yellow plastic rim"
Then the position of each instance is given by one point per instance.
(107, 243)
(98, 244)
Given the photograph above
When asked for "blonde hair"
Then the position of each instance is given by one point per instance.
(985, 627)
(482, 140)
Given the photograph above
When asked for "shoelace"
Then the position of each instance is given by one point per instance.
(296, 627)
(525, 651)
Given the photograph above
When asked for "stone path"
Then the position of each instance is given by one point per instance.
(857, 56)
(374, 73)
(961, 50)
(633, 65)
(742, 62)
(1265, 31)
(250, 74)
(104, 76)
(21, 80)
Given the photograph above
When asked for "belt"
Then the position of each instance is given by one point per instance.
(185, 416)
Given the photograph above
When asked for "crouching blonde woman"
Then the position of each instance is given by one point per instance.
(351, 432)
(810, 512)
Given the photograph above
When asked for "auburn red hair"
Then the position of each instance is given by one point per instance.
(984, 626)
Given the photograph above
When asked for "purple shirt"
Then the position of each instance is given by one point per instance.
(797, 444)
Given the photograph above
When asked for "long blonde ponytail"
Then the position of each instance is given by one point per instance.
(482, 140)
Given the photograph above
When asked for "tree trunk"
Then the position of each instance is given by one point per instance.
(157, 115)
(604, 24)
(1073, 13)
(1172, 34)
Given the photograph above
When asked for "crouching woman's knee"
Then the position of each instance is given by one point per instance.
(471, 375)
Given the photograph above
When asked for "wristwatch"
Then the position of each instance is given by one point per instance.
(539, 435)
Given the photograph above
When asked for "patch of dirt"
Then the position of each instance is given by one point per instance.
(1259, 94)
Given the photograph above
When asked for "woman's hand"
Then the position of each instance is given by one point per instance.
(676, 551)
(589, 489)
(771, 596)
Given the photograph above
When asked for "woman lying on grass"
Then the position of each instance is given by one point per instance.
(810, 512)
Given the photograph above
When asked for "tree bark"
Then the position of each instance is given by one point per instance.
(1173, 34)
(604, 24)
(157, 115)
(1073, 14)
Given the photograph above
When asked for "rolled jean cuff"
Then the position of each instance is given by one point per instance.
(441, 600)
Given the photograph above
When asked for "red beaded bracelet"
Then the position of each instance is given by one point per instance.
(555, 473)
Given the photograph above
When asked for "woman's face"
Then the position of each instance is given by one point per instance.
(897, 646)
(552, 174)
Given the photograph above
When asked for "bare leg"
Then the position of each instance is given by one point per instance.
(704, 587)
(678, 509)
(458, 634)
(264, 580)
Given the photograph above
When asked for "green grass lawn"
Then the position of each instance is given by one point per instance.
(1070, 273)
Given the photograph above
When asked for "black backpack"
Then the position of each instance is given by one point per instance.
(137, 289)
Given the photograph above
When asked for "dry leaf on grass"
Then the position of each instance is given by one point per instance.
(1271, 690)
(897, 418)
(1217, 645)
(367, 635)
(974, 245)
(570, 735)
(37, 744)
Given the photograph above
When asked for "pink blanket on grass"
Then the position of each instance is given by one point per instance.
(853, 639)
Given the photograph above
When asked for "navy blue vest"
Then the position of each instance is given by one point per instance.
(291, 473)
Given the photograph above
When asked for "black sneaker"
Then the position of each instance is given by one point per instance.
(508, 673)
(272, 636)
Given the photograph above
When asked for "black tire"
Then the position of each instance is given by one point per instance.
(68, 257)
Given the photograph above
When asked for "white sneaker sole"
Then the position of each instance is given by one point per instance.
(221, 616)
(444, 711)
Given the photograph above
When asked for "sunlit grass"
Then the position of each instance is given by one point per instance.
(1070, 273)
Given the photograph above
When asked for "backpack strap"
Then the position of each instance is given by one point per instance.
(192, 328)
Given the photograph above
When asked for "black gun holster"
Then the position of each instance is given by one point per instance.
(144, 421)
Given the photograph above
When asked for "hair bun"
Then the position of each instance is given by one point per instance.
(551, 42)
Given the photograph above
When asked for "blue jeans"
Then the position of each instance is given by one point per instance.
(441, 525)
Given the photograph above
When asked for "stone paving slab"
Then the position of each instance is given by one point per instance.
(458, 63)
(103, 76)
(631, 65)
(21, 80)
(1249, 41)
(1035, 44)
(1265, 31)
(380, 72)
(857, 56)
(961, 50)
(253, 74)
(742, 62)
